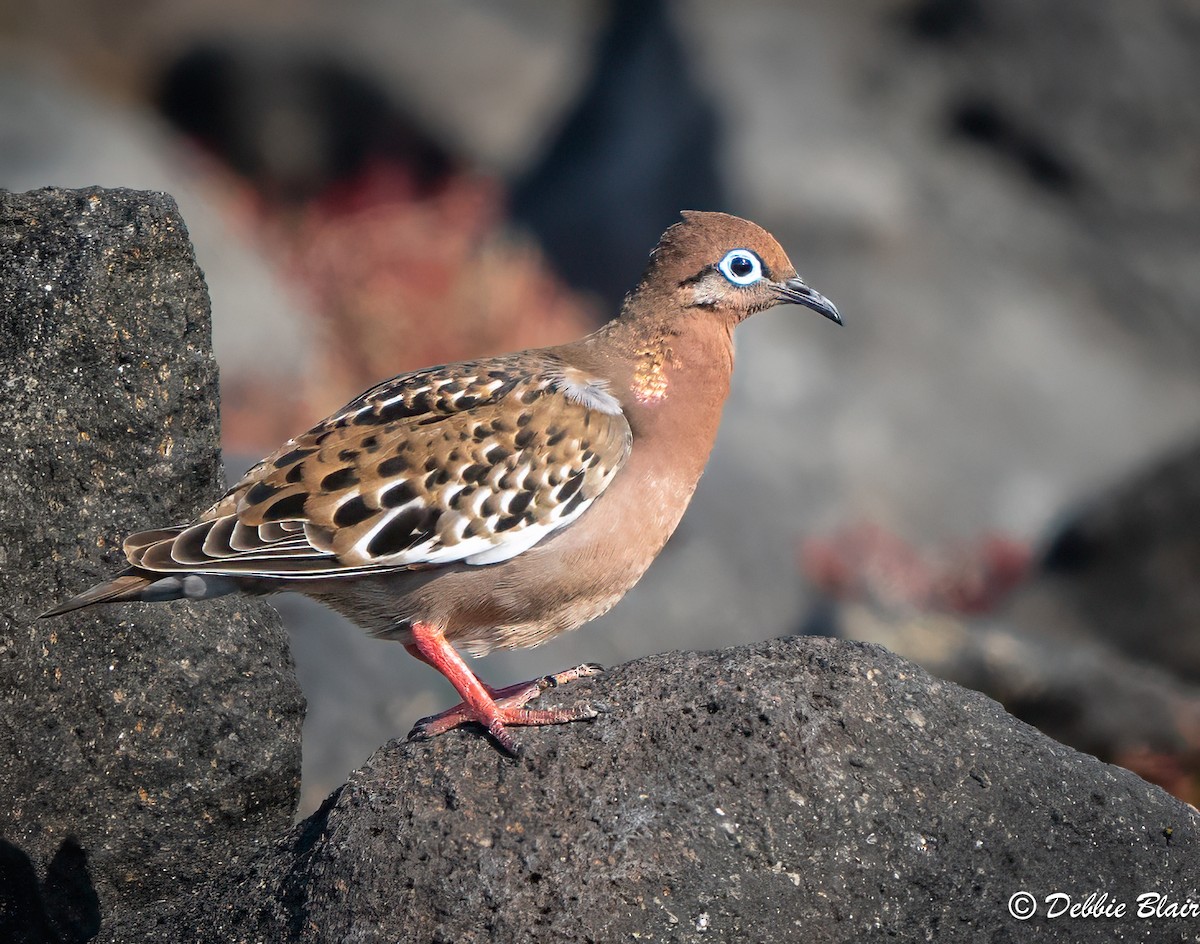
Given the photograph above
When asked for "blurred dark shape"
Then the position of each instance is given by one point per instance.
(944, 21)
(640, 145)
(294, 123)
(64, 909)
(1126, 568)
(869, 562)
(1090, 96)
(983, 122)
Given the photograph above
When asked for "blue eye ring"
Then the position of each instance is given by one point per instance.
(741, 267)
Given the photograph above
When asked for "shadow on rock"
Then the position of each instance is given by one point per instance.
(62, 909)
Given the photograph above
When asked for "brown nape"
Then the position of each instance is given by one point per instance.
(493, 503)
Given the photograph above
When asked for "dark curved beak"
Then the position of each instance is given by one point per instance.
(797, 292)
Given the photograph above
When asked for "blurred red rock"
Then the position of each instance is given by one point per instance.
(394, 279)
(867, 561)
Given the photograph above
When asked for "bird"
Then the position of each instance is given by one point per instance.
(493, 503)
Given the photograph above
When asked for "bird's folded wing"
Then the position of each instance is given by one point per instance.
(473, 462)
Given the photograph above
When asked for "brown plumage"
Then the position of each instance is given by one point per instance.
(499, 502)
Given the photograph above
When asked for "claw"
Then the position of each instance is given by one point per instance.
(420, 729)
(491, 708)
(508, 744)
(589, 712)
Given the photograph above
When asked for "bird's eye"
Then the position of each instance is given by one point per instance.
(741, 267)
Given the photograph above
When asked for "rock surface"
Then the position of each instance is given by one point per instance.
(803, 789)
(1077, 689)
(141, 748)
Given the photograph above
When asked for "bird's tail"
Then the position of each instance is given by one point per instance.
(127, 585)
(150, 587)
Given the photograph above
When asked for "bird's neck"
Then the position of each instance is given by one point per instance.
(671, 376)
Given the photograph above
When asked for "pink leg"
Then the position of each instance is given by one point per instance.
(482, 704)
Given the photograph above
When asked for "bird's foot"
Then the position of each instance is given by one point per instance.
(506, 706)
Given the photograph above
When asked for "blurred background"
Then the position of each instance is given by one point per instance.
(994, 468)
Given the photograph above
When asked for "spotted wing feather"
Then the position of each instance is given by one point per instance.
(473, 462)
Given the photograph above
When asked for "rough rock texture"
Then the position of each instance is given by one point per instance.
(803, 789)
(141, 748)
(1077, 689)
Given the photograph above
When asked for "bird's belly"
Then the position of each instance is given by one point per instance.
(577, 576)
(523, 635)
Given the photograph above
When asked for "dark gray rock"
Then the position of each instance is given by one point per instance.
(1077, 689)
(1091, 121)
(803, 789)
(1123, 568)
(141, 748)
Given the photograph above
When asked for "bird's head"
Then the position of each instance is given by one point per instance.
(729, 266)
